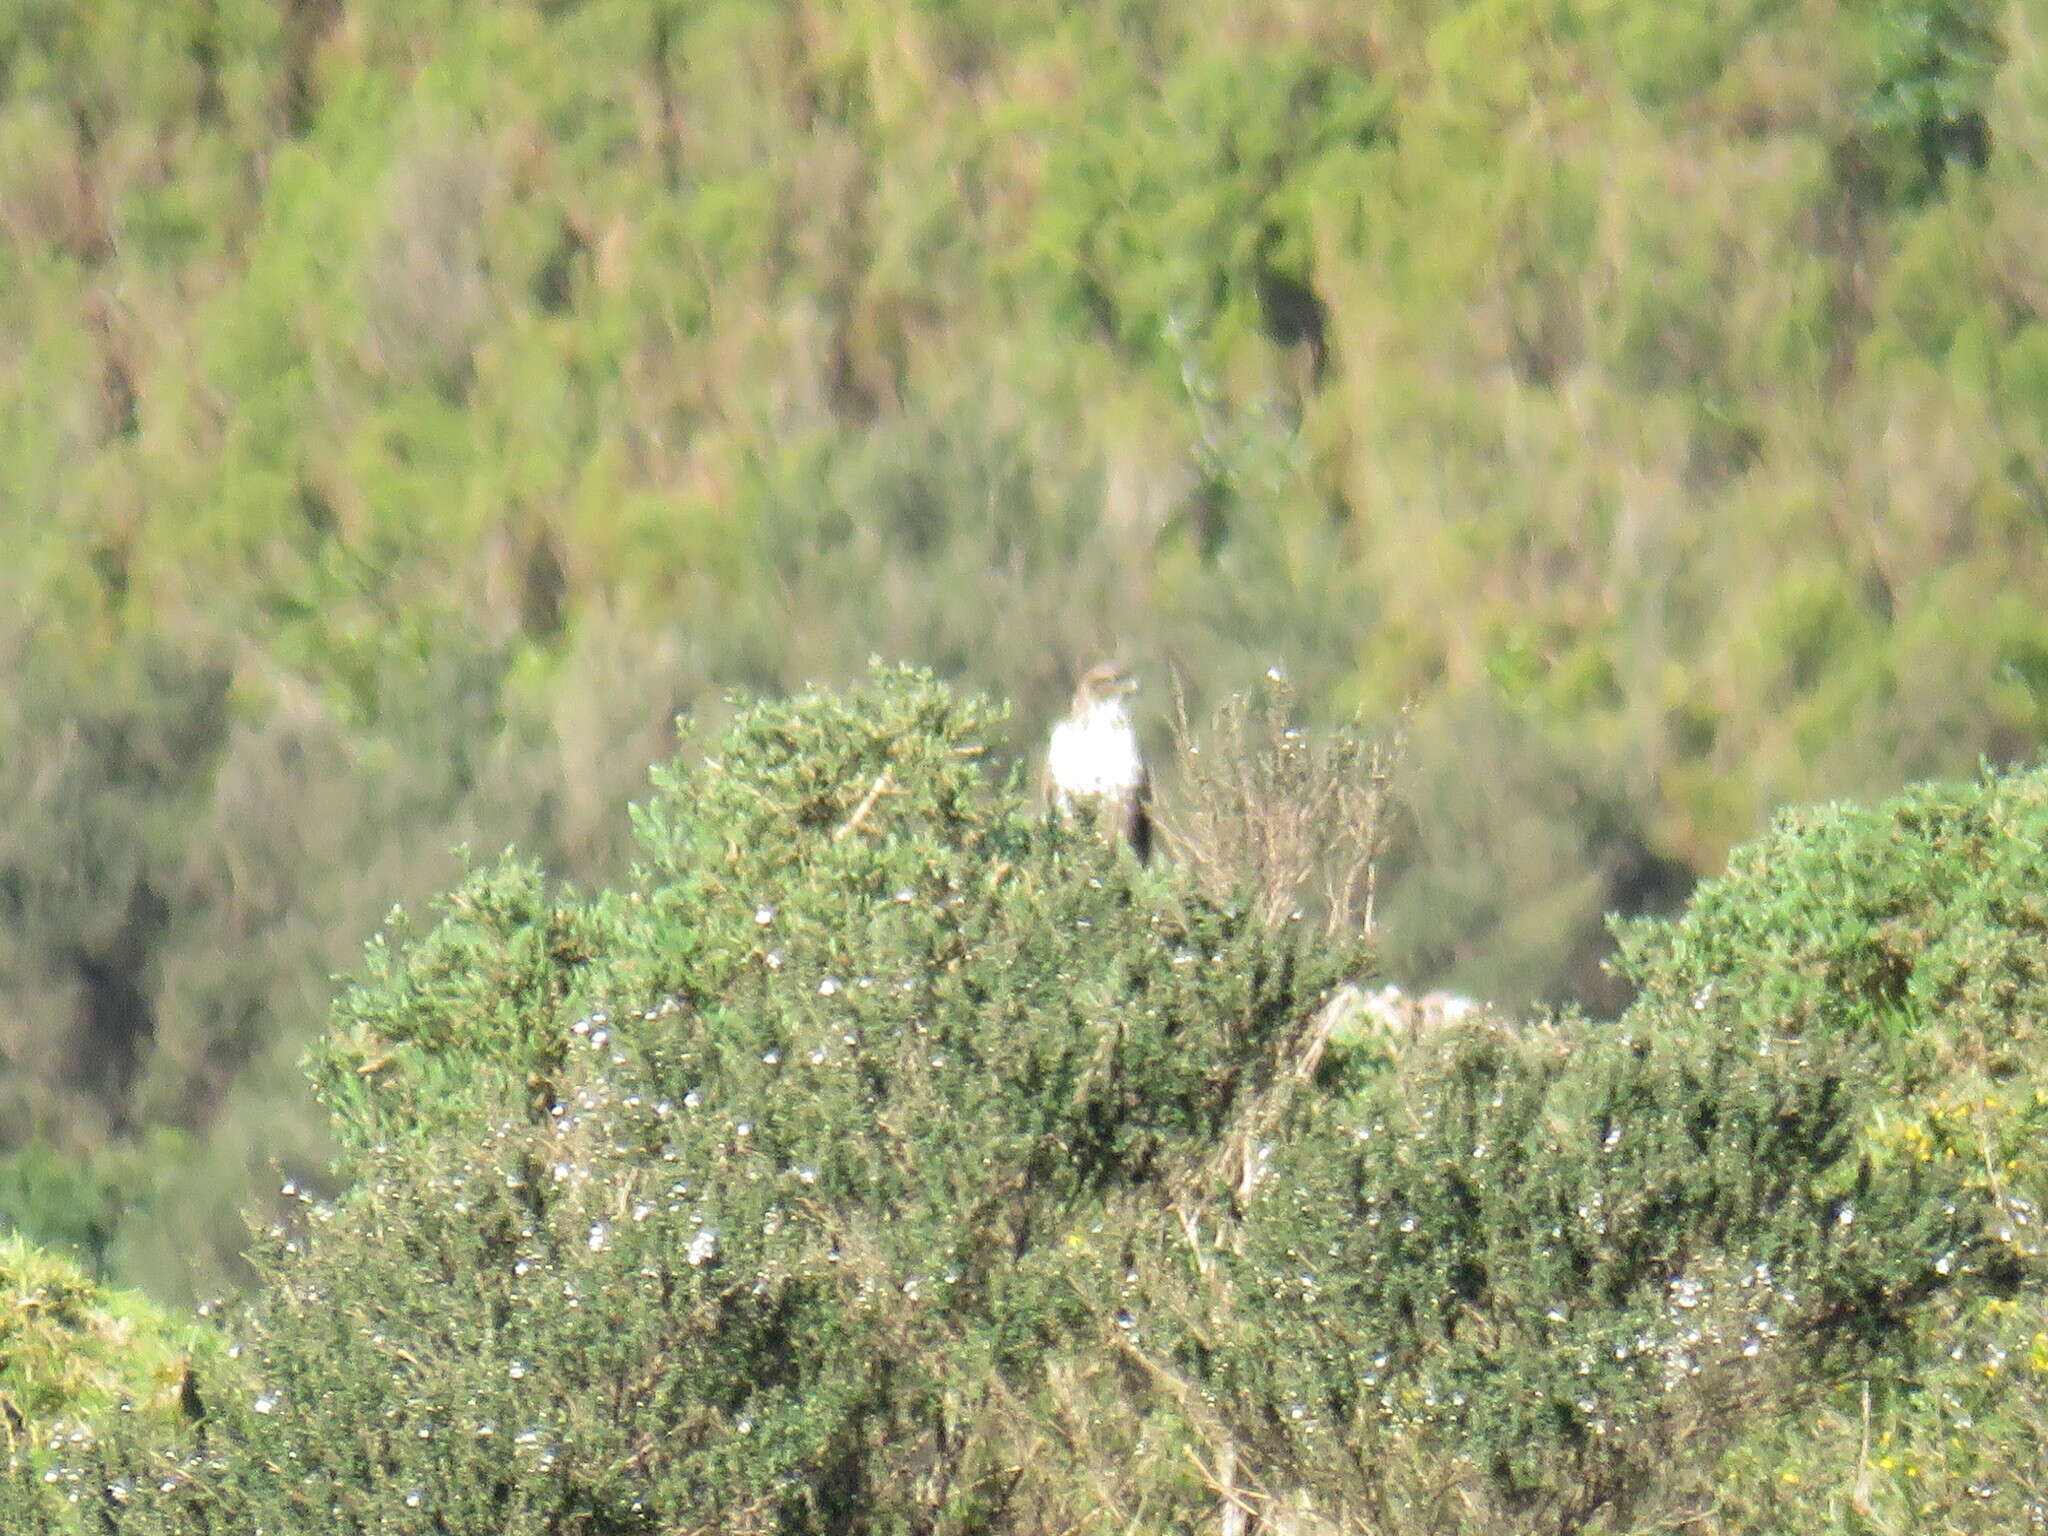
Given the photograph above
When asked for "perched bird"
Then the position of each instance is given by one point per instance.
(1094, 760)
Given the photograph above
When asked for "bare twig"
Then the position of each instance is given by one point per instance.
(867, 803)
(1295, 820)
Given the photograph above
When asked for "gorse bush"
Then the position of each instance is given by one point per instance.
(1542, 1276)
(741, 1199)
(72, 1351)
(1923, 920)
(1915, 934)
(885, 1157)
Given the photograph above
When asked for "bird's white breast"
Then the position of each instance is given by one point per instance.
(1095, 753)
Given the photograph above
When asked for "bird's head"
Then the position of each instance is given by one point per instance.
(1102, 683)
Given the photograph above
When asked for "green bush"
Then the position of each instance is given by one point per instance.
(73, 1352)
(1921, 923)
(1669, 1271)
(82, 1206)
(1925, 113)
(884, 1157)
(1653, 392)
(744, 1197)
(1916, 935)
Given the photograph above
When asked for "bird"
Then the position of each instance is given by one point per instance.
(1094, 760)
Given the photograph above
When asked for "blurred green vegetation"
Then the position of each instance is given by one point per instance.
(406, 411)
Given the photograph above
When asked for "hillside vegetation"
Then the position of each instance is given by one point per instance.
(911, 1162)
(406, 410)
(74, 1353)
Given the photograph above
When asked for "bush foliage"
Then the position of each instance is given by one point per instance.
(885, 1156)
(403, 415)
(74, 1353)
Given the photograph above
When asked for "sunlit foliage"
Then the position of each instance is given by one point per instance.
(405, 412)
(883, 1156)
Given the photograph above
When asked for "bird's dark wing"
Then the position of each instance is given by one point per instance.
(1138, 816)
